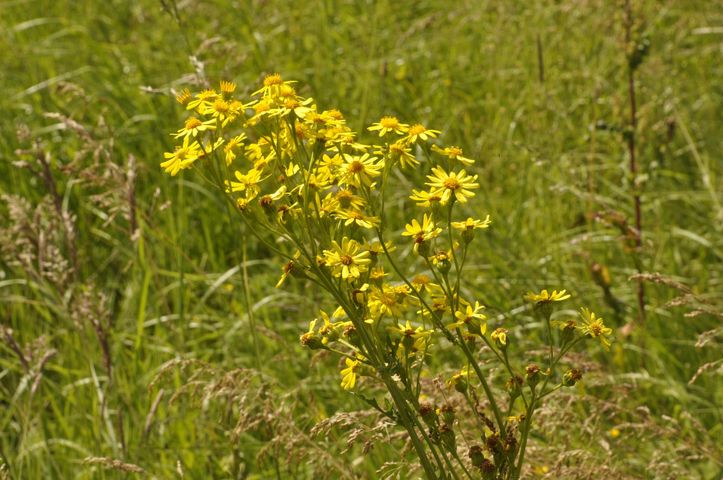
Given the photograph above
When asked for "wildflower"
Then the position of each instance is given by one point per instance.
(202, 101)
(453, 153)
(248, 181)
(426, 199)
(571, 377)
(345, 260)
(183, 96)
(423, 283)
(387, 125)
(452, 185)
(357, 217)
(359, 170)
(545, 297)
(400, 151)
(230, 147)
(532, 374)
(499, 336)
(594, 326)
(421, 233)
(349, 374)
(458, 381)
(419, 132)
(472, 317)
(413, 339)
(193, 126)
(388, 300)
(227, 87)
(472, 224)
(310, 339)
(614, 433)
(182, 157)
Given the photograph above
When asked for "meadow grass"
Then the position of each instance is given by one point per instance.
(168, 349)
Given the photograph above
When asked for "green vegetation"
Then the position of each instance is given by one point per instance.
(140, 330)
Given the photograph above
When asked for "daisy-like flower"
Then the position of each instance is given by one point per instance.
(420, 132)
(202, 101)
(360, 170)
(452, 185)
(193, 126)
(357, 217)
(182, 157)
(426, 199)
(423, 282)
(545, 297)
(349, 374)
(413, 339)
(593, 325)
(453, 153)
(472, 317)
(423, 232)
(248, 181)
(389, 125)
(400, 151)
(233, 144)
(388, 300)
(472, 224)
(346, 260)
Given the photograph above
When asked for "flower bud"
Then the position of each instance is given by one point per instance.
(449, 440)
(476, 456)
(514, 386)
(499, 336)
(571, 377)
(312, 341)
(447, 412)
(532, 374)
(428, 414)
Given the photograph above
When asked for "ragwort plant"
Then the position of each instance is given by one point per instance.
(307, 187)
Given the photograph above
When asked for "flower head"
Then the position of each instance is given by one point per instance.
(593, 325)
(347, 260)
(454, 185)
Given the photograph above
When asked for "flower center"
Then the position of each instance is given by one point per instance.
(389, 122)
(346, 260)
(451, 183)
(356, 166)
(416, 130)
(273, 79)
(192, 123)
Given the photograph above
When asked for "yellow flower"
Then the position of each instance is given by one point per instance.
(453, 153)
(452, 185)
(202, 101)
(419, 132)
(421, 233)
(345, 260)
(426, 199)
(183, 96)
(230, 147)
(413, 339)
(227, 87)
(593, 325)
(422, 282)
(349, 374)
(182, 157)
(499, 336)
(387, 125)
(400, 151)
(246, 181)
(357, 217)
(472, 224)
(193, 126)
(545, 297)
(472, 317)
(359, 170)
(388, 300)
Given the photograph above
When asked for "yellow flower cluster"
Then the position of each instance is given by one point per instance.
(307, 186)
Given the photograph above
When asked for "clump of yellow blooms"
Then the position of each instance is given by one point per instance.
(306, 185)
